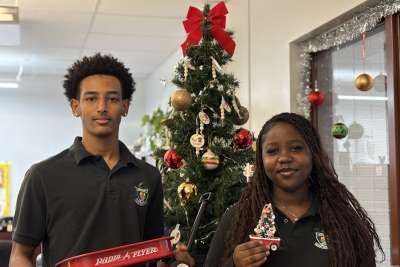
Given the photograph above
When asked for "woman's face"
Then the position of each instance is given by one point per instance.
(286, 158)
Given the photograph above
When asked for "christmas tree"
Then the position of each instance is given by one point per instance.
(266, 224)
(204, 148)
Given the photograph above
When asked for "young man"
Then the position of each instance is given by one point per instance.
(95, 194)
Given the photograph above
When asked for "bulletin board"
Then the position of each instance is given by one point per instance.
(5, 169)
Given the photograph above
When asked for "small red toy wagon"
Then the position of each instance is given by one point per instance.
(142, 252)
(265, 229)
(272, 242)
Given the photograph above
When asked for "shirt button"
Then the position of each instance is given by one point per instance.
(285, 220)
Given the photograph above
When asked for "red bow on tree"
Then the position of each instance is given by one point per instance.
(217, 17)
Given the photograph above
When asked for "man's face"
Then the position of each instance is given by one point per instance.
(100, 105)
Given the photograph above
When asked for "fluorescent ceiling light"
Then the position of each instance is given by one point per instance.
(8, 85)
(6, 17)
(359, 97)
(8, 14)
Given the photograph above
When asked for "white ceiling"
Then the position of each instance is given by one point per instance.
(54, 33)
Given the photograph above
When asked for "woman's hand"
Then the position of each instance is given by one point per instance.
(250, 254)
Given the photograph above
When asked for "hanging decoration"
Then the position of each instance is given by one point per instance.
(204, 120)
(224, 106)
(217, 17)
(172, 159)
(356, 130)
(186, 66)
(209, 160)
(254, 145)
(344, 33)
(181, 100)
(315, 97)
(197, 141)
(186, 191)
(339, 130)
(380, 83)
(364, 82)
(248, 171)
(242, 138)
(242, 117)
(176, 234)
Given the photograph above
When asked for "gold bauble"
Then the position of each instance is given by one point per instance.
(181, 100)
(186, 191)
(364, 82)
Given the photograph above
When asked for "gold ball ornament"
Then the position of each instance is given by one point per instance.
(210, 160)
(364, 82)
(181, 100)
(186, 191)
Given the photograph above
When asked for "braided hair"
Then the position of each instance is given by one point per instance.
(351, 233)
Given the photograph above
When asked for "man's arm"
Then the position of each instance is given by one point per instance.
(21, 255)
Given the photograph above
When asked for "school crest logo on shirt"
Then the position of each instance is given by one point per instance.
(320, 240)
(141, 194)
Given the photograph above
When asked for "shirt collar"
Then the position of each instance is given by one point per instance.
(80, 153)
(311, 212)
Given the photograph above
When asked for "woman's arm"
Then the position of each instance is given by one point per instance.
(216, 251)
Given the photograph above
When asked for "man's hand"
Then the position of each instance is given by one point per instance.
(250, 254)
(182, 255)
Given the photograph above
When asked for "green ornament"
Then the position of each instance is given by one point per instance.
(339, 130)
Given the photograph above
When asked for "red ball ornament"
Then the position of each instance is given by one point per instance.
(172, 159)
(243, 138)
(315, 97)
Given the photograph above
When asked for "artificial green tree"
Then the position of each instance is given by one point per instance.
(205, 104)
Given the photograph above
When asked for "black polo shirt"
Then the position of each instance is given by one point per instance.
(73, 203)
(303, 243)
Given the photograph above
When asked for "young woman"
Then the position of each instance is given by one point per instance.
(319, 221)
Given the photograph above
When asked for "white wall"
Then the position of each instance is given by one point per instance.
(36, 123)
(274, 24)
(156, 94)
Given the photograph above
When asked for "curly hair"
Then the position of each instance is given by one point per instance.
(97, 64)
(351, 232)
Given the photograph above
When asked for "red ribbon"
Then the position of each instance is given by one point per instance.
(217, 18)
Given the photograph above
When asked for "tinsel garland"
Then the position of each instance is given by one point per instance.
(344, 33)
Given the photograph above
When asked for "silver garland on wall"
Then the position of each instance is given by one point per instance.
(344, 33)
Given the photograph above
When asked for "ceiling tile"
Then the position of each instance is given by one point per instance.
(46, 20)
(155, 8)
(142, 58)
(147, 26)
(57, 5)
(131, 43)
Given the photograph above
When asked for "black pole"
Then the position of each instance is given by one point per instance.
(204, 199)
